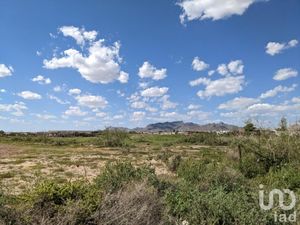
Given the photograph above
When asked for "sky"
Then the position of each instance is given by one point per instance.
(87, 65)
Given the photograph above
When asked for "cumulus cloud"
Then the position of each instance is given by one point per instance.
(296, 100)
(273, 48)
(74, 91)
(201, 80)
(193, 107)
(139, 105)
(92, 101)
(149, 71)
(212, 9)
(29, 95)
(235, 67)
(166, 103)
(285, 73)
(123, 78)
(74, 111)
(41, 79)
(198, 115)
(100, 65)
(238, 103)
(79, 34)
(154, 92)
(138, 116)
(16, 109)
(223, 86)
(279, 89)
(5, 71)
(199, 65)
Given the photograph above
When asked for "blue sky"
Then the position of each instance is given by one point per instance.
(91, 64)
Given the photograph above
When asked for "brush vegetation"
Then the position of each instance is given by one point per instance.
(209, 179)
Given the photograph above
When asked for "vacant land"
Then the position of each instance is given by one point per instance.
(121, 178)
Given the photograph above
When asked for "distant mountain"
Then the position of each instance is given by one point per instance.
(182, 126)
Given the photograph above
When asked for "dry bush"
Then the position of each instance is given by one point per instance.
(136, 203)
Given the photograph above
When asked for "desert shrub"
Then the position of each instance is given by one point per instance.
(8, 216)
(192, 170)
(116, 175)
(263, 153)
(174, 162)
(251, 167)
(205, 138)
(135, 203)
(49, 202)
(286, 177)
(206, 175)
(216, 206)
(114, 138)
(170, 159)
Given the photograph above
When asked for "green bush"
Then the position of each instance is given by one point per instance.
(115, 138)
(216, 206)
(205, 138)
(116, 175)
(206, 175)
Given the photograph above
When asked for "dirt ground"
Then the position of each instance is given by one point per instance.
(22, 166)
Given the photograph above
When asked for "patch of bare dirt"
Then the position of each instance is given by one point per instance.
(8, 150)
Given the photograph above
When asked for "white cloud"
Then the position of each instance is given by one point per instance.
(166, 103)
(41, 80)
(138, 116)
(101, 114)
(92, 101)
(279, 89)
(193, 107)
(57, 89)
(80, 35)
(15, 109)
(45, 116)
(199, 65)
(75, 111)
(238, 103)
(58, 100)
(2, 90)
(223, 86)
(29, 95)
(74, 91)
(139, 105)
(273, 48)
(149, 71)
(154, 92)
(211, 72)
(198, 115)
(123, 77)
(285, 73)
(5, 71)
(100, 65)
(296, 100)
(222, 69)
(259, 110)
(212, 9)
(235, 67)
(201, 80)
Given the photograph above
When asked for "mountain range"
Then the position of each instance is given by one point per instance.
(186, 126)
